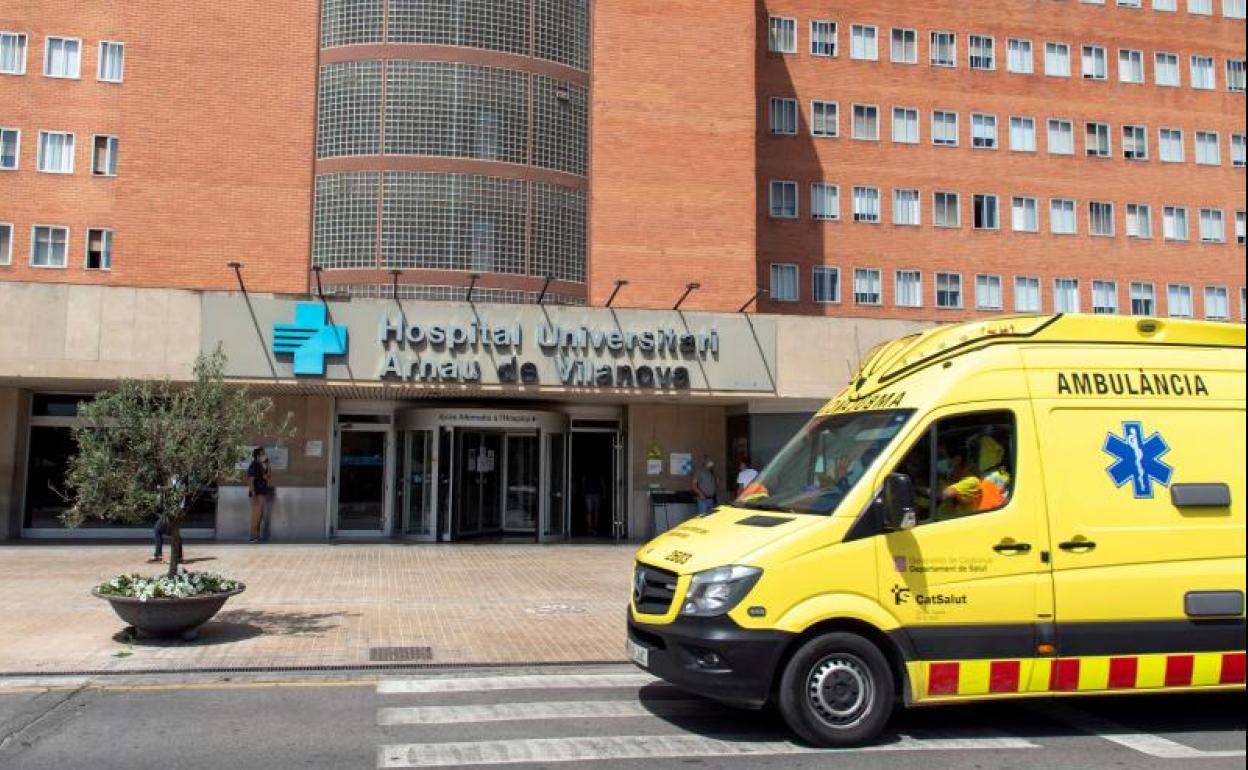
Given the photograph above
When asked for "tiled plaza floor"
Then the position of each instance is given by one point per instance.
(325, 605)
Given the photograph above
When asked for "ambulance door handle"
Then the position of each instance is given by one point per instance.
(1077, 545)
(1011, 547)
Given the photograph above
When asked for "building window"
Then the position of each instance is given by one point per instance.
(949, 290)
(1200, 7)
(1061, 139)
(104, 156)
(1166, 69)
(1101, 218)
(1062, 216)
(824, 119)
(863, 42)
(12, 53)
(867, 283)
(1135, 142)
(783, 282)
(1174, 223)
(1233, 9)
(986, 210)
(112, 61)
(906, 207)
(1241, 236)
(946, 210)
(866, 122)
(1143, 298)
(944, 49)
(1129, 3)
(1208, 149)
(867, 204)
(981, 51)
(1171, 145)
(49, 246)
(6, 243)
(99, 249)
(1139, 220)
(1130, 65)
(988, 292)
(984, 131)
(908, 288)
(825, 201)
(1165, 5)
(826, 285)
(783, 116)
(1022, 134)
(10, 148)
(1024, 214)
(1202, 73)
(905, 48)
(62, 57)
(1096, 140)
(56, 152)
(1217, 303)
(1235, 75)
(1105, 297)
(822, 38)
(1065, 295)
(1057, 60)
(1020, 60)
(781, 35)
(1095, 63)
(1239, 151)
(944, 128)
(1211, 227)
(783, 199)
(1026, 294)
(906, 125)
(1179, 300)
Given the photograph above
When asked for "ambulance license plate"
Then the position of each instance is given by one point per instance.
(639, 654)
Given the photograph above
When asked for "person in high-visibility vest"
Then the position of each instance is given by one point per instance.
(994, 481)
(978, 478)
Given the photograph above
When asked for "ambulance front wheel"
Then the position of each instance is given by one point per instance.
(837, 690)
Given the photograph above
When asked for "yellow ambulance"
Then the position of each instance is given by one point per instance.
(1023, 506)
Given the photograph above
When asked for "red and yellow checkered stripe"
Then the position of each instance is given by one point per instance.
(977, 678)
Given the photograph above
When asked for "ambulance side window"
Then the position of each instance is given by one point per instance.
(962, 466)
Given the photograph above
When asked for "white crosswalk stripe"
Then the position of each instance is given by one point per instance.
(601, 748)
(513, 712)
(448, 684)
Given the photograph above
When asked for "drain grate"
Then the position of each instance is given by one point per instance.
(399, 654)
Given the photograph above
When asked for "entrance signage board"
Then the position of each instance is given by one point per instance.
(516, 346)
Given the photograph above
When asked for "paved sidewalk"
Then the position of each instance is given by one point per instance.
(325, 605)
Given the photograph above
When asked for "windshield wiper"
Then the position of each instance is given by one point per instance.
(769, 507)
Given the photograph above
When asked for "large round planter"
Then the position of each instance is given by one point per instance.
(168, 617)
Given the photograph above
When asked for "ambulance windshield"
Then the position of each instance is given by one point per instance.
(818, 467)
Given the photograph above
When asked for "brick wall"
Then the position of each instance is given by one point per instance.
(850, 162)
(215, 119)
(672, 138)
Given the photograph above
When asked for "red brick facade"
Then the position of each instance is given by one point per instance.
(216, 120)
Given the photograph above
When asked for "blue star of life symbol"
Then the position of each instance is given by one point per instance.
(309, 339)
(1138, 459)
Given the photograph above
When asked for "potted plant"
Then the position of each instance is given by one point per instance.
(145, 452)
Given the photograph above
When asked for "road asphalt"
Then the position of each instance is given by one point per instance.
(600, 717)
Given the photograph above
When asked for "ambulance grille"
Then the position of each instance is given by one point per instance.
(653, 590)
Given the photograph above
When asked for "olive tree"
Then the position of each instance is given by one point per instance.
(146, 450)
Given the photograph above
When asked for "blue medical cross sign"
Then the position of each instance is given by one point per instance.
(309, 339)
(1137, 459)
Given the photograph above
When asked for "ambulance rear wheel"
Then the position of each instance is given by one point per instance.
(837, 690)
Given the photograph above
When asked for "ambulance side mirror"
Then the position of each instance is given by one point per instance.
(897, 503)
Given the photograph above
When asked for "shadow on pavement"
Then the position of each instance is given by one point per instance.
(238, 625)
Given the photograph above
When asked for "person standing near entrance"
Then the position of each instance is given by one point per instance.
(706, 486)
(745, 475)
(257, 489)
(591, 488)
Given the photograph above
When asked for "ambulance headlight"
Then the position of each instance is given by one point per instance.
(716, 591)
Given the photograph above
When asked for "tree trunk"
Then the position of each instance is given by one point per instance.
(175, 547)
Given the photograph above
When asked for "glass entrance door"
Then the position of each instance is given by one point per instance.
(478, 491)
(523, 464)
(361, 481)
(554, 515)
(419, 519)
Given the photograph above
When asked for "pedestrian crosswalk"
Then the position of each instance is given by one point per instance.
(509, 718)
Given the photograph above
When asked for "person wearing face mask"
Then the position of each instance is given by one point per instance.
(959, 483)
(706, 486)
